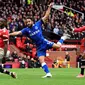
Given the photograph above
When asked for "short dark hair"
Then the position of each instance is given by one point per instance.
(28, 17)
(3, 23)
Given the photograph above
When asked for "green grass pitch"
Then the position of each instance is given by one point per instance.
(33, 77)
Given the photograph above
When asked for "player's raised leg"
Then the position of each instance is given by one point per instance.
(80, 29)
(60, 42)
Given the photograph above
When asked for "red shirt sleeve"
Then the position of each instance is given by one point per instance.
(79, 29)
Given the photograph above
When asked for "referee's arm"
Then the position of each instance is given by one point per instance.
(47, 13)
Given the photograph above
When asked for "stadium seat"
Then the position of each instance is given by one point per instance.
(33, 52)
(19, 43)
(23, 39)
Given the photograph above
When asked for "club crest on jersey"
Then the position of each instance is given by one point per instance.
(29, 31)
(36, 27)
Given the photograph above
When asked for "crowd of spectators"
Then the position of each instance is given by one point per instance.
(25, 61)
(58, 22)
(62, 63)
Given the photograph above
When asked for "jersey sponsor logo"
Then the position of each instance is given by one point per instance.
(34, 33)
(49, 42)
(5, 35)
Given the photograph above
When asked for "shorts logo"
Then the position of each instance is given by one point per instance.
(49, 42)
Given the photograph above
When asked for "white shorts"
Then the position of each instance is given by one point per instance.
(2, 53)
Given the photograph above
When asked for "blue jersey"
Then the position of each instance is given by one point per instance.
(35, 33)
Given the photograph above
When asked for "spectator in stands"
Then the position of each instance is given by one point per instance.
(37, 62)
(33, 62)
(54, 64)
(67, 59)
(14, 55)
(56, 30)
(15, 15)
(23, 62)
(28, 49)
(59, 63)
(27, 43)
(30, 62)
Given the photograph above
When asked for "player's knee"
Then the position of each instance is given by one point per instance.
(41, 59)
(56, 45)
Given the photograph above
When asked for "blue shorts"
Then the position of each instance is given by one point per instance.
(45, 45)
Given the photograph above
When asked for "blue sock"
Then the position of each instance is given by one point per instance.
(45, 67)
(60, 41)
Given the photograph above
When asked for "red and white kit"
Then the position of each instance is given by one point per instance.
(80, 29)
(4, 36)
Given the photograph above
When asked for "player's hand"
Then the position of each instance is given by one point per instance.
(51, 4)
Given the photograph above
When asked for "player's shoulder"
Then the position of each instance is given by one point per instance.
(5, 33)
(39, 21)
(25, 29)
(4, 30)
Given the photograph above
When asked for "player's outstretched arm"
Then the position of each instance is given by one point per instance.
(47, 12)
(15, 33)
(79, 29)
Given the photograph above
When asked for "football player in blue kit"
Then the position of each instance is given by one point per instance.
(34, 32)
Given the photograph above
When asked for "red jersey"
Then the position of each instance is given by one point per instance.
(4, 36)
(80, 29)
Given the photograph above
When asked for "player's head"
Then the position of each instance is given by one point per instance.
(29, 22)
(3, 23)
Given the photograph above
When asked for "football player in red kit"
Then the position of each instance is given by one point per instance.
(80, 29)
(81, 75)
(4, 51)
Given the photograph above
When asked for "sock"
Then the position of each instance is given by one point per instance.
(2, 65)
(45, 67)
(60, 42)
(5, 71)
(82, 71)
(68, 65)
